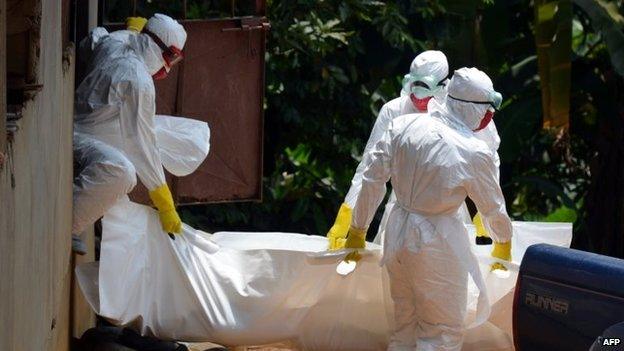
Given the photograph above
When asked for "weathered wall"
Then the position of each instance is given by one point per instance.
(35, 216)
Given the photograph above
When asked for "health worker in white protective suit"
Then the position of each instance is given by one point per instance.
(114, 132)
(425, 81)
(434, 161)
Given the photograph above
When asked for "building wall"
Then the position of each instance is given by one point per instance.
(35, 216)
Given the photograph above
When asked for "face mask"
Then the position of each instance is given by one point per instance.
(486, 120)
(420, 104)
(161, 74)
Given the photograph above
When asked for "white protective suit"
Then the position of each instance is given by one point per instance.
(429, 63)
(433, 63)
(115, 106)
(434, 161)
(106, 174)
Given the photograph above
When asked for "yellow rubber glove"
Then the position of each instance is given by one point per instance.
(501, 251)
(338, 232)
(356, 239)
(135, 23)
(483, 237)
(169, 219)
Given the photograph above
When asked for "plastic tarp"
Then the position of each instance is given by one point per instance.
(261, 288)
(183, 143)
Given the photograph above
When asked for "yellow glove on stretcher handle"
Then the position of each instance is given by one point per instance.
(356, 239)
(135, 23)
(338, 232)
(501, 251)
(169, 219)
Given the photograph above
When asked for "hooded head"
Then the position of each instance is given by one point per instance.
(471, 98)
(168, 30)
(164, 47)
(426, 79)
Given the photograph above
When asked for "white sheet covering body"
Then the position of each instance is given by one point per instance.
(262, 288)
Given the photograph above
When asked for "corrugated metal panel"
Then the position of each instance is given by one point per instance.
(220, 81)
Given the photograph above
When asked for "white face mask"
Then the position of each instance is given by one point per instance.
(475, 113)
(149, 51)
(468, 113)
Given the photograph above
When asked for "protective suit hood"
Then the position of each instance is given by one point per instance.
(470, 94)
(168, 30)
(431, 68)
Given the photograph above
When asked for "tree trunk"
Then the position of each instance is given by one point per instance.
(604, 229)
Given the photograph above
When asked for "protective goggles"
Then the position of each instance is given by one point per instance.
(496, 99)
(422, 86)
(171, 54)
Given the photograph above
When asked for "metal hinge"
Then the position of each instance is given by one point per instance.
(249, 24)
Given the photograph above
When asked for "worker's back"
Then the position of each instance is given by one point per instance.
(431, 162)
(115, 73)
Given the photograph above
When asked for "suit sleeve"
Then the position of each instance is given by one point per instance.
(138, 132)
(375, 174)
(382, 124)
(487, 195)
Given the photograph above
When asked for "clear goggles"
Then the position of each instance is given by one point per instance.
(171, 54)
(422, 86)
(495, 100)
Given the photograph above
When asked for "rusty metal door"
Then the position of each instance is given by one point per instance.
(220, 81)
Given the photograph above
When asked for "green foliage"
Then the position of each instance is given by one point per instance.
(332, 64)
(562, 214)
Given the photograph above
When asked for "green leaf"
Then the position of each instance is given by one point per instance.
(562, 214)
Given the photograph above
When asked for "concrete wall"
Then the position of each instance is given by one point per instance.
(35, 213)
